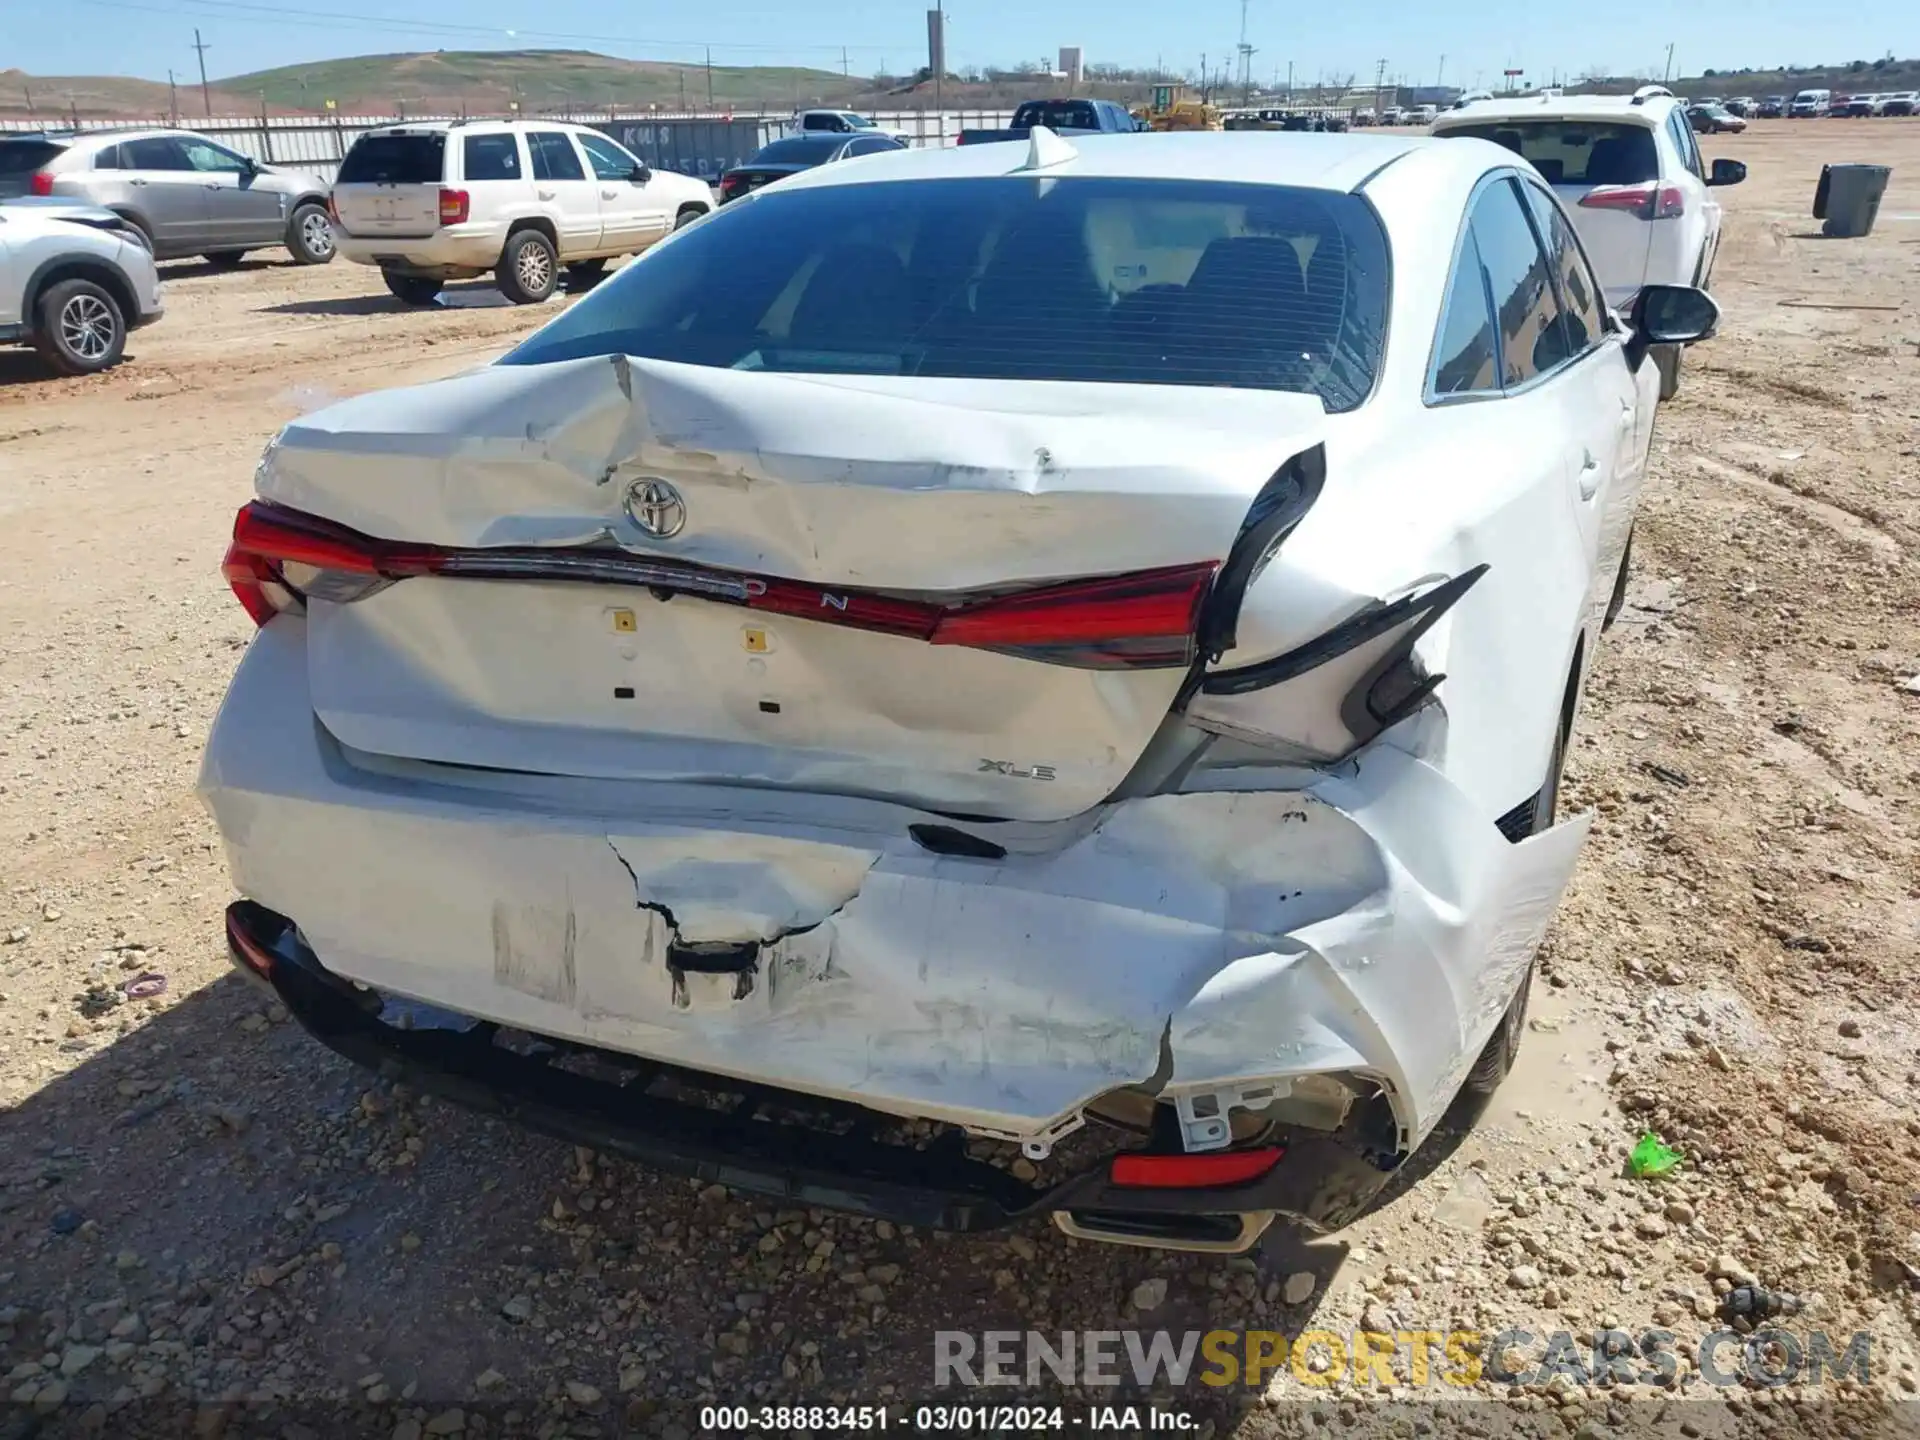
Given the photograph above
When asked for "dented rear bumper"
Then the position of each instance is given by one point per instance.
(1213, 947)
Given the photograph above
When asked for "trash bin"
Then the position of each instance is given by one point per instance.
(1848, 198)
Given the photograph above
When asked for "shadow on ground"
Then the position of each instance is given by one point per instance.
(213, 1209)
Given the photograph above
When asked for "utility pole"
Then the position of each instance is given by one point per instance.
(1669, 71)
(1246, 57)
(1440, 76)
(206, 97)
(845, 73)
(1379, 88)
(1289, 82)
(173, 101)
(709, 77)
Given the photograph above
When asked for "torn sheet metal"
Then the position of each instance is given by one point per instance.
(1369, 923)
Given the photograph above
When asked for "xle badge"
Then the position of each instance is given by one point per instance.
(1018, 772)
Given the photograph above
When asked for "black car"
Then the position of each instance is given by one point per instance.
(1772, 108)
(796, 153)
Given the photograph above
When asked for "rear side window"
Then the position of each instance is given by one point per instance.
(160, 153)
(23, 157)
(492, 157)
(553, 155)
(395, 160)
(1574, 152)
(1532, 340)
(1579, 292)
(822, 122)
(1121, 280)
(107, 159)
(1465, 358)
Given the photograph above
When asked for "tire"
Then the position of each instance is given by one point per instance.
(688, 214)
(528, 268)
(586, 269)
(1477, 1090)
(79, 328)
(1618, 600)
(310, 235)
(411, 289)
(224, 259)
(1666, 359)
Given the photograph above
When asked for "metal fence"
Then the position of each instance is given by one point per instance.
(702, 145)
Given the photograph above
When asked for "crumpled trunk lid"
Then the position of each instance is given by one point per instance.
(933, 497)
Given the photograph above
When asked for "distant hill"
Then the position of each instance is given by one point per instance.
(55, 98)
(540, 80)
(1872, 76)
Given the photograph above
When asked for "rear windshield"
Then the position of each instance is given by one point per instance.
(1057, 115)
(1575, 152)
(23, 157)
(808, 151)
(1169, 282)
(394, 160)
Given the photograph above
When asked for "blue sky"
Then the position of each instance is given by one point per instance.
(1479, 38)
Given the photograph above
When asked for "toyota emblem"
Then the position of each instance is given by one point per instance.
(656, 507)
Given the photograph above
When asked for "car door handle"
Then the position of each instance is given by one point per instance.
(609, 194)
(545, 194)
(136, 182)
(1589, 477)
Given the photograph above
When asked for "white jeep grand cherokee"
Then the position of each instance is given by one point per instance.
(452, 199)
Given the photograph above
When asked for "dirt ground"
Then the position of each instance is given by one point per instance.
(199, 1205)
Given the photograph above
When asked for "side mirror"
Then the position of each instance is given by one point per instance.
(253, 165)
(1670, 315)
(640, 174)
(1727, 172)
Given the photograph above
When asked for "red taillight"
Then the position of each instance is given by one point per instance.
(1193, 1172)
(40, 183)
(1149, 619)
(256, 956)
(1649, 201)
(326, 561)
(453, 206)
(732, 185)
(333, 210)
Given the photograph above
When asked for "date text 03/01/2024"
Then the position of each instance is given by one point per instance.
(990, 1419)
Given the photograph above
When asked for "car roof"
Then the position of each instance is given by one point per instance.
(1624, 108)
(1314, 161)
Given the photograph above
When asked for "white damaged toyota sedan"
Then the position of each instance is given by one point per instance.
(973, 684)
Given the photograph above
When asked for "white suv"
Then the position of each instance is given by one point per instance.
(1630, 175)
(74, 279)
(452, 199)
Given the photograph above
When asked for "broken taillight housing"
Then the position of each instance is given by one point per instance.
(1147, 619)
(1650, 201)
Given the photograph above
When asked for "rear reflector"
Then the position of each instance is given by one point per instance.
(255, 956)
(453, 206)
(1193, 1172)
(40, 183)
(1649, 201)
(1145, 620)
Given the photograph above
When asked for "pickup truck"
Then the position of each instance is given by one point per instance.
(1063, 117)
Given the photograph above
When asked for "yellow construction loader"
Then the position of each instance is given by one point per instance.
(1171, 109)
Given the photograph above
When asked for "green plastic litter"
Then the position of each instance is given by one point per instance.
(1652, 1157)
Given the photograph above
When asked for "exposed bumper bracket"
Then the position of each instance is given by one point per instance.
(757, 1142)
